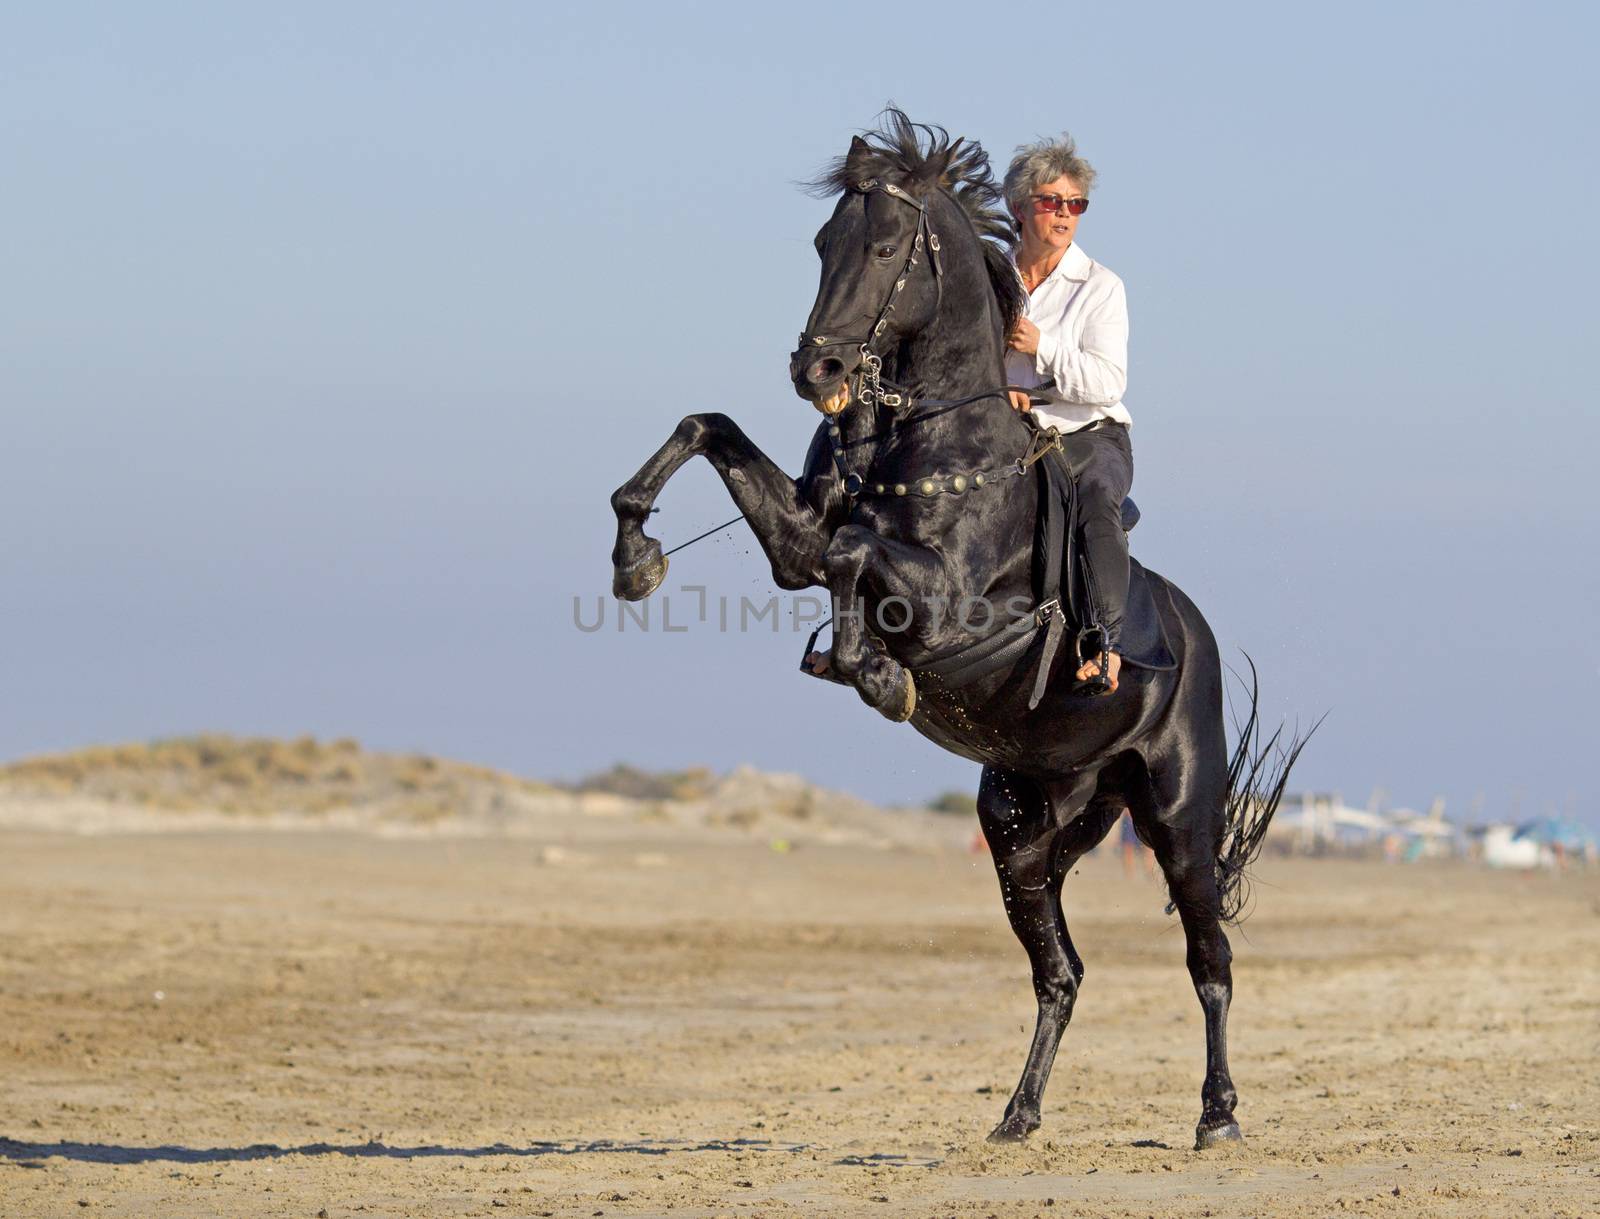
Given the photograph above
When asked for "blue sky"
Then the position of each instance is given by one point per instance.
(327, 330)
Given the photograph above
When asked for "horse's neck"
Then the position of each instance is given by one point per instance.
(958, 356)
(959, 353)
(962, 350)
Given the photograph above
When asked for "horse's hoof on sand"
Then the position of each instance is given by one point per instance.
(1012, 1130)
(1217, 1136)
(639, 581)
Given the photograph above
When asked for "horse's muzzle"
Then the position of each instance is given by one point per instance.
(821, 379)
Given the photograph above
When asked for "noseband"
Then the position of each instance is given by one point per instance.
(868, 389)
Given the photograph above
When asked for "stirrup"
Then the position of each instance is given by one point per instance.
(1100, 652)
(831, 675)
(1093, 687)
(811, 646)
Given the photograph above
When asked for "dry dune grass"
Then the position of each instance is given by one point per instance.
(260, 775)
(694, 783)
(215, 782)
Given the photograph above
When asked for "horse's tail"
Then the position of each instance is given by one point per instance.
(1257, 774)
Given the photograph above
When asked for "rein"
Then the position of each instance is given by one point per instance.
(1045, 440)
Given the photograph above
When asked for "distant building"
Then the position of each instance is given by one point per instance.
(1315, 823)
(1547, 843)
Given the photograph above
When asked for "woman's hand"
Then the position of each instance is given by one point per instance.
(1020, 401)
(1025, 337)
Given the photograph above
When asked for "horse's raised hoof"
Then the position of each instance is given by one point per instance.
(1013, 1128)
(636, 582)
(1227, 1133)
(907, 707)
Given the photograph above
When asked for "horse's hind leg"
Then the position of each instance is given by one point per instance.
(1032, 855)
(785, 525)
(1188, 859)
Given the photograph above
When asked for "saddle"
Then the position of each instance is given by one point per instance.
(1063, 582)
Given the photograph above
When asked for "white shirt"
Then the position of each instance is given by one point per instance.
(1081, 310)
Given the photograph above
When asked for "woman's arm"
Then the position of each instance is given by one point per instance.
(1093, 372)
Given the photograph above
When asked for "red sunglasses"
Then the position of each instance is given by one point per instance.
(1076, 206)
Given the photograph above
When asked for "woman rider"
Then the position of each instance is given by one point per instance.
(1072, 345)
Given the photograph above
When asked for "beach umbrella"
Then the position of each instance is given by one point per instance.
(1560, 832)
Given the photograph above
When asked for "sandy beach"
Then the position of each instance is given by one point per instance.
(624, 1019)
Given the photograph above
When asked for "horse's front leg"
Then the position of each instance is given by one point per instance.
(1033, 853)
(788, 528)
(915, 576)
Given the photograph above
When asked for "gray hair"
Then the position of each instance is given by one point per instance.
(1044, 161)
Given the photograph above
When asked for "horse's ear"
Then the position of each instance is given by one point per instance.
(859, 151)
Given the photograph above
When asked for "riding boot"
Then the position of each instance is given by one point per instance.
(1106, 548)
(1101, 460)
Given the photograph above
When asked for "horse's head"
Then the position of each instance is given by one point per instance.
(880, 270)
(903, 191)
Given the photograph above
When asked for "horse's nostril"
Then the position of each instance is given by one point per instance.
(825, 370)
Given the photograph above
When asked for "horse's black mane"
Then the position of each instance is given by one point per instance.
(926, 154)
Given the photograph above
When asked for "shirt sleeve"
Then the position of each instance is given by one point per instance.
(1094, 371)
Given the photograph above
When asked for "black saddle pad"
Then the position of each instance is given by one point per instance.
(1144, 638)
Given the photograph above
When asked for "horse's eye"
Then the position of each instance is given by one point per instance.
(886, 251)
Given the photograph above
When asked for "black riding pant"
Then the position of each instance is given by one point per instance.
(1101, 459)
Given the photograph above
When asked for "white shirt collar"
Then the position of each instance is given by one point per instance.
(1074, 265)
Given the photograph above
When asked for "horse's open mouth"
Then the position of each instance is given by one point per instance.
(836, 401)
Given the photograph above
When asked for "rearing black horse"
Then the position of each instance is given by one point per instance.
(906, 495)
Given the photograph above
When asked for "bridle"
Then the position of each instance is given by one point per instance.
(869, 387)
